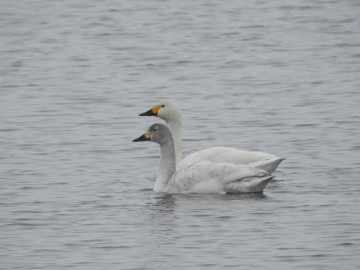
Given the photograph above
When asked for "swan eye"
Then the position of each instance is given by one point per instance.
(163, 106)
(154, 129)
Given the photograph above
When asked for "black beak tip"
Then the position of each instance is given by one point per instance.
(142, 138)
(138, 139)
(148, 113)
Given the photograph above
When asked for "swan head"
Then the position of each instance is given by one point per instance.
(166, 109)
(158, 133)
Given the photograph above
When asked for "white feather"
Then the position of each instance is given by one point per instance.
(171, 113)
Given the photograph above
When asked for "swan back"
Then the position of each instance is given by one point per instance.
(265, 161)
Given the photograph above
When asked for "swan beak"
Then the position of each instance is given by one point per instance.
(152, 112)
(145, 137)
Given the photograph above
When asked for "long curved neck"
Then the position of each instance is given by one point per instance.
(167, 166)
(175, 127)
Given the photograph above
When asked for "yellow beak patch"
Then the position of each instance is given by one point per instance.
(156, 108)
(147, 134)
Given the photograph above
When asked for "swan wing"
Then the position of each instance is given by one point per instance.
(209, 177)
(265, 161)
(268, 165)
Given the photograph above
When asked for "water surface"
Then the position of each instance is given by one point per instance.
(275, 76)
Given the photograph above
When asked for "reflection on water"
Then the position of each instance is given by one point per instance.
(163, 203)
(212, 197)
(167, 203)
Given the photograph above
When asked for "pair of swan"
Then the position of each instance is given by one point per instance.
(212, 170)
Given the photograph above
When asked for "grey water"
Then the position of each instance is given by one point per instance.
(281, 77)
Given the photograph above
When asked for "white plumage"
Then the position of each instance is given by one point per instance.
(169, 111)
(201, 176)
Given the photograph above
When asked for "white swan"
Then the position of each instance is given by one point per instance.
(169, 111)
(201, 177)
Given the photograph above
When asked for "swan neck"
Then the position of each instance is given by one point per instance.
(167, 166)
(176, 131)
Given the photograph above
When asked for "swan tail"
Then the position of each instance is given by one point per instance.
(251, 184)
(267, 165)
